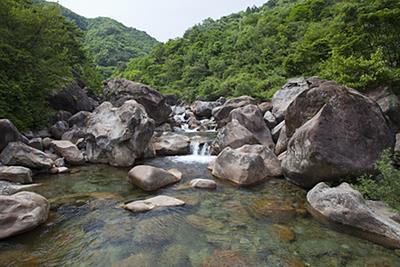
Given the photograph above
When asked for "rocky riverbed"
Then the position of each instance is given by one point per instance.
(141, 179)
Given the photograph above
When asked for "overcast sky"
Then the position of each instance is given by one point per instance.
(162, 19)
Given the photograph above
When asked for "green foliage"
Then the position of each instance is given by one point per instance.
(39, 52)
(111, 43)
(385, 187)
(254, 52)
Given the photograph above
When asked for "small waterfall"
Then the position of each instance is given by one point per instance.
(198, 149)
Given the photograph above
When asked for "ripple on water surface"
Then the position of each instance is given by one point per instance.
(264, 225)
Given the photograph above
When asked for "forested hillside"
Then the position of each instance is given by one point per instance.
(253, 52)
(40, 51)
(111, 43)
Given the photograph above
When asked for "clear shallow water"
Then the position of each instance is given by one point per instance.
(265, 225)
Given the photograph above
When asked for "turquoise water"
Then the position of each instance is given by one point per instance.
(265, 225)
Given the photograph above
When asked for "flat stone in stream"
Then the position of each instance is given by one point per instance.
(152, 203)
(150, 178)
(203, 184)
(7, 188)
(16, 174)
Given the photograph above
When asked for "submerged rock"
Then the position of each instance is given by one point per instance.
(151, 178)
(22, 212)
(346, 210)
(227, 258)
(16, 174)
(7, 188)
(338, 133)
(118, 91)
(152, 203)
(246, 165)
(203, 184)
(19, 154)
(118, 136)
(171, 144)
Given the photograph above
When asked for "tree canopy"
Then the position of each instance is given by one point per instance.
(254, 52)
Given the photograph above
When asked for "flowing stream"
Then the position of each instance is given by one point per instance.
(264, 225)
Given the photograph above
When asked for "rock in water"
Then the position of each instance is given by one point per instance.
(251, 117)
(171, 144)
(152, 203)
(221, 113)
(19, 154)
(203, 109)
(22, 212)
(247, 165)
(9, 133)
(118, 136)
(70, 152)
(16, 174)
(345, 209)
(203, 184)
(7, 188)
(118, 91)
(233, 135)
(338, 133)
(151, 178)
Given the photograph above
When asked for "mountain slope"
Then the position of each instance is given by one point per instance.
(254, 52)
(111, 43)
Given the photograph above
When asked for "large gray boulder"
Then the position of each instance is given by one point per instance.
(203, 109)
(118, 91)
(247, 165)
(22, 212)
(344, 208)
(16, 174)
(9, 133)
(170, 144)
(70, 152)
(221, 113)
(58, 129)
(150, 178)
(389, 103)
(251, 117)
(19, 154)
(73, 98)
(285, 96)
(233, 135)
(340, 133)
(118, 135)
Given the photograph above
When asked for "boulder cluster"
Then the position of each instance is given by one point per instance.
(312, 132)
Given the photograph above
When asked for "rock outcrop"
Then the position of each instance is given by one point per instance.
(151, 178)
(345, 209)
(247, 165)
(118, 135)
(19, 154)
(284, 97)
(203, 109)
(9, 133)
(22, 212)
(338, 133)
(118, 91)
(73, 99)
(389, 103)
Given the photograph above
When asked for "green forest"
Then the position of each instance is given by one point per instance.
(255, 51)
(45, 46)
